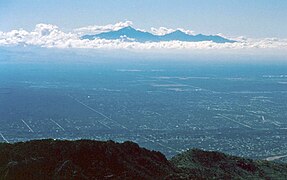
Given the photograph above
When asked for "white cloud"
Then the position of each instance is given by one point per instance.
(161, 30)
(51, 36)
(190, 32)
(164, 30)
(99, 29)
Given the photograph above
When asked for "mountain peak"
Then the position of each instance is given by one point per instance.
(177, 32)
(127, 28)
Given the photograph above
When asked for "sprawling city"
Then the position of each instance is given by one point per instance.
(240, 111)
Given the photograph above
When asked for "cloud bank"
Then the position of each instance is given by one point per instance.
(100, 29)
(164, 30)
(51, 36)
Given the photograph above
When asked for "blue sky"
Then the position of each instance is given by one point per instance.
(253, 18)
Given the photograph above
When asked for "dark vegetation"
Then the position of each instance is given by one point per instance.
(88, 159)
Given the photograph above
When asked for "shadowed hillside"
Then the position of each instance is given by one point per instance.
(196, 163)
(88, 159)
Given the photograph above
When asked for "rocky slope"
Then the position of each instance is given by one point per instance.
(87, 159)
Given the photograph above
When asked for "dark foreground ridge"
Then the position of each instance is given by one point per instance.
(88, 159)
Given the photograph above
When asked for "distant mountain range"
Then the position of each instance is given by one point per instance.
(131, 34)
